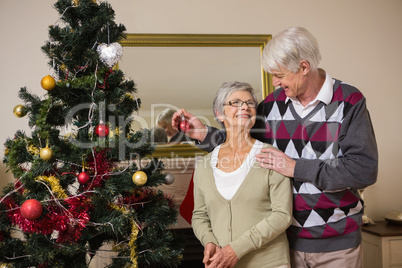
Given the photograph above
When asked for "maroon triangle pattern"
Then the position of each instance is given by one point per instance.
(306, 234)
(300, 204)
(329, 232)
(351, 226)
(338, 94)
(348, 199)
(282, 132)
(282, 96)
(346, 226)
(322, 134)
(325, 202)
(269, 98)
(300, 133)
(354, 98)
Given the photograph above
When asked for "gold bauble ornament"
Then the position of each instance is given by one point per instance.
(48, 83)
(20, 111)
(4, 265)
(46, 153)
(140, 178)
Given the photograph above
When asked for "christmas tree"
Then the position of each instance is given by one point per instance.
(80, 181)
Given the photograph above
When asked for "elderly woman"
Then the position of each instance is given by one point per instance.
(241, 211)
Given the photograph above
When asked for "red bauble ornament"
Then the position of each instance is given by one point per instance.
(102, 130)
(83, 177)
(184, 126)
(31, 209)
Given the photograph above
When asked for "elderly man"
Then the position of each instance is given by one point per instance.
(328, 148)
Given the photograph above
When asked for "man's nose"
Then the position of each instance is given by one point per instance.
(275, 81)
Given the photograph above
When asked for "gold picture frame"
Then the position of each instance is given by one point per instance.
(198, 40)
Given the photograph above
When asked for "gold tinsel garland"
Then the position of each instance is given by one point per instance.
(33, 150)
(54, 185)
(133, 236)
(56, 188)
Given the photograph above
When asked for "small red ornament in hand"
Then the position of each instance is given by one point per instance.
(31, 209)
(83, 177)
(184, 126)
(102, 130)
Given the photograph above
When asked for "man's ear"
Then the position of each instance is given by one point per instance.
(305, 67)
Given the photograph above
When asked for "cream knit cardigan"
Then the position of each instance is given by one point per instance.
(253, 222)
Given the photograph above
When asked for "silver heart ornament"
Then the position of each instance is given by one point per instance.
(110, 54)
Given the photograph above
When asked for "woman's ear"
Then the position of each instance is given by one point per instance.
(219, 116)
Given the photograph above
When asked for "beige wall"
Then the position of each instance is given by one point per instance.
(360, 42)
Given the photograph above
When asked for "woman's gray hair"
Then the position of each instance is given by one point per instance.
(225, 91)
(288, 48)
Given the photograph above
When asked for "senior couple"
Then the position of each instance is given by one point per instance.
(279, 187)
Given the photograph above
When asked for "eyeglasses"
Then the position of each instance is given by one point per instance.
(239, 103)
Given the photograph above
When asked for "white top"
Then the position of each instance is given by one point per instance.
(229, 182)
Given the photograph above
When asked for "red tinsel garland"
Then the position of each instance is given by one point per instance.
(100, 163)
(138, 198)
(17, 185)
(68, 222)
(72, 216)
(141, 196)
